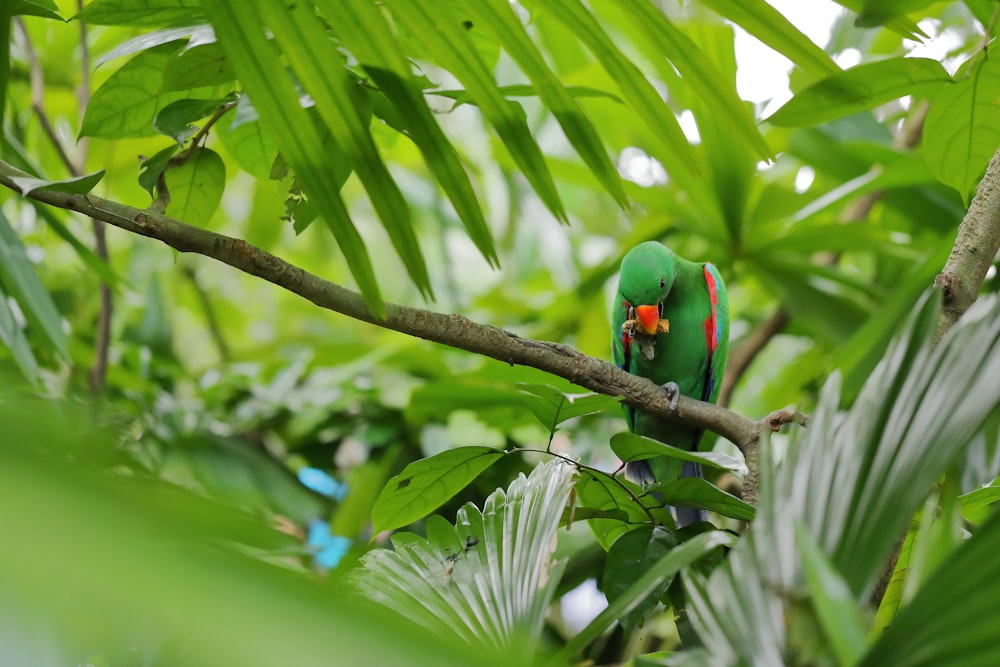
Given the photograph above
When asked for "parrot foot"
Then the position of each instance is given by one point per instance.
(674, 392)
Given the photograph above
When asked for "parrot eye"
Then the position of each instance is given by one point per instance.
(663, 283)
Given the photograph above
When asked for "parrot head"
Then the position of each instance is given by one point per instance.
(647, 275)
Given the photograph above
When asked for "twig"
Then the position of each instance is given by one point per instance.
(453, 330)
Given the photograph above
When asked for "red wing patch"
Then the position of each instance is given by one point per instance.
(711, 324)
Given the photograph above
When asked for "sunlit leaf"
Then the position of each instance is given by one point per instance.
(631, 447)
(862, 87)
(880, 12)
(199, 66)
(425, 485)
(44, 8)
(80, 185)
(148, 40)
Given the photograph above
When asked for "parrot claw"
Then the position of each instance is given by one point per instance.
(674, 392)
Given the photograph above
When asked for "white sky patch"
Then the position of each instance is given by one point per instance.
(848, 58)
(636, 166)
(689, 126)
(940, 44)
(582, 605)
(804, 179)
(763, 73)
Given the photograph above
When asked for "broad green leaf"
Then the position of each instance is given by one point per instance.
(768, 25)
(425, 485)
(835, 606)
(631, 447)
(619, 503)
(953, 618)
(637, 91)
(276, 101)
(252, 148)
(151, 168)
(80, 185)
(628, 558)
(196, 187)
(148, 40)
(201, 66)
(46, 9)
(646, 585)
(175, 120)
(18, 276)
(13, 337)
(552, 407)
(448, 44)
(364, 30)
(859, 88)
(499, 17)
(142, 13)
(314, 59)
(126, 104)
(698, 71)
(700, 494)
(879, 12)
(962, 129)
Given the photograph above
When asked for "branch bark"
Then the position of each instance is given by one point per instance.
(452, 330)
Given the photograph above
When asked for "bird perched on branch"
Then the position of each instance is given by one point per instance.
(671, 325)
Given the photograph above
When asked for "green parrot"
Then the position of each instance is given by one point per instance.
(671, 325)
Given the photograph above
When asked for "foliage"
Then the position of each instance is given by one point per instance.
(434, 145)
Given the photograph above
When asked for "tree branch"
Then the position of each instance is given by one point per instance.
(976, 245)
(452, 330)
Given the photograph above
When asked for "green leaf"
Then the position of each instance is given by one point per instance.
(646, 585)
(175, 120)
(834, 604)
(276, 101)
(126, 104)
(631, 447)
(636, 88)
(698, 71)
(150, 170)
(859, 88)
(952, 620)
(962, 128)
(46, 9)
(447, 42)
(628, 558)
(196, 187)
(365, 31)
(499, 17)
(142, 13)
(80, 185)
(425, 485)
(462, 96)
(978, 505)
(700, 494)
(13, 337)
(199, 66)
(552, 407)
(879, 12)
(617, 502)
(252, 148)
(303, 40)
(899, 25)
(18, 275)
(768, 25)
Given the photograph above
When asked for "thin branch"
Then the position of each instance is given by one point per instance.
(453, 330)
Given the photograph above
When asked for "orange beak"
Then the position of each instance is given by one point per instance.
(649, 317)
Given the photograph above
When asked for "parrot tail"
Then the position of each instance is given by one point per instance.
(641, 473)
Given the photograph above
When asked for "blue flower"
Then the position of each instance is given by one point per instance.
(328, 550)
(322, 483)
